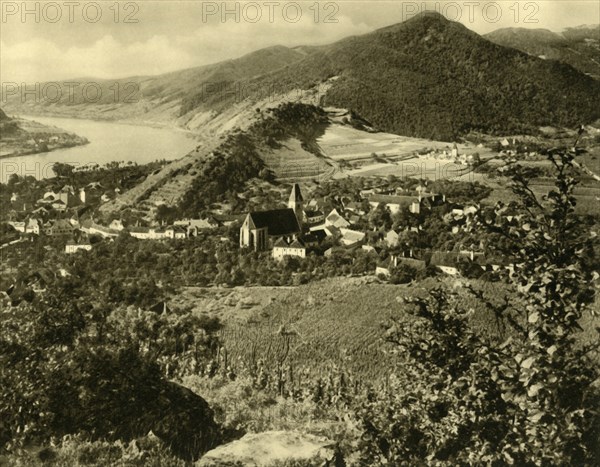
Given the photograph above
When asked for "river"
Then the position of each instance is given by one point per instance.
(108, 142)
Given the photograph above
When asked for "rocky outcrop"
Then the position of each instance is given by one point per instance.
(263, 449)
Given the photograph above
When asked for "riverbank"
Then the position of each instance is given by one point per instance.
(107, 142)
(24, 137)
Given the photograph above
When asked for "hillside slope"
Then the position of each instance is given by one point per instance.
(579, 47)
(427, 77)
(153, 99)
(272, 141)
(433, 78)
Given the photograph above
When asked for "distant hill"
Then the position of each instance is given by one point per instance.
(154, 99)
(579, 47)
(433, 78)
(426, 77)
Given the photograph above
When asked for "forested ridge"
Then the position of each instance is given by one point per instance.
(433, 78)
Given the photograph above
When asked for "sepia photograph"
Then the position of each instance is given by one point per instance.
(344, 233)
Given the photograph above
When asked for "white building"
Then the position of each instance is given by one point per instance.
(283, 248)
(72, 247)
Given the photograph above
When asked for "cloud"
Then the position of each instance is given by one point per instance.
(40, 59)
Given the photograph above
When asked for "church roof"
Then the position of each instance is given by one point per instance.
(296, 194)
(278, 221)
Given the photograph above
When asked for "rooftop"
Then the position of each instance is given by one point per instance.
(277, 221)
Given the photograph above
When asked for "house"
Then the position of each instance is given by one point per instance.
(336, 220)
(61, 200)
(392, 238)
(73, 247)
(394, 202)
(59, 228)
(41, 211)
(283, 248)
(415, 207)
(143, 233)
(18, 226)
(367, 192)
(227, 219)
(314, 217)
(260, 230)
(446, 262)
(176, 231)
(199, 224)
(117, 225)
(355, 207)
(91, 228)
(59, 205)
(33, 226)
(329, 231)
(314, 238)
(385, 268)
(351, 237)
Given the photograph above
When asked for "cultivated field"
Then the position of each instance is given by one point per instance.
(292, 162)
(380, 154)
(416, 167)
(327, 323)
(346, 143)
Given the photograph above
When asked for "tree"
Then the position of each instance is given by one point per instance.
(524, 398)
(63, 170)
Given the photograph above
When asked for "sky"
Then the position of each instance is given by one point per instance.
(45, 41)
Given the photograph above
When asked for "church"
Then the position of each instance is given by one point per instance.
(262, 229)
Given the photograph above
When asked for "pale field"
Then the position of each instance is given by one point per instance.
(342, 142)
(396, 155)
(416, 167)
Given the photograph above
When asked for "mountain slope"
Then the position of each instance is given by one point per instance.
(579, 47)
(433, 78)
(150, 99)
(427, 77)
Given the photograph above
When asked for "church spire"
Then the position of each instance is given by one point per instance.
(296, 202)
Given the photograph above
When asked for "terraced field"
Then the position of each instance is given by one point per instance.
(292, 162)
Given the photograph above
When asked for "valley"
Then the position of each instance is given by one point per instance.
(384, 250)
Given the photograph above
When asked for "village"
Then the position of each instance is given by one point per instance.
(385, 220)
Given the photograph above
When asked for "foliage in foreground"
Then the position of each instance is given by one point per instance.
(528, 399)
(457, 396)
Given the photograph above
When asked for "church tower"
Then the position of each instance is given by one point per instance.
(296, 203)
